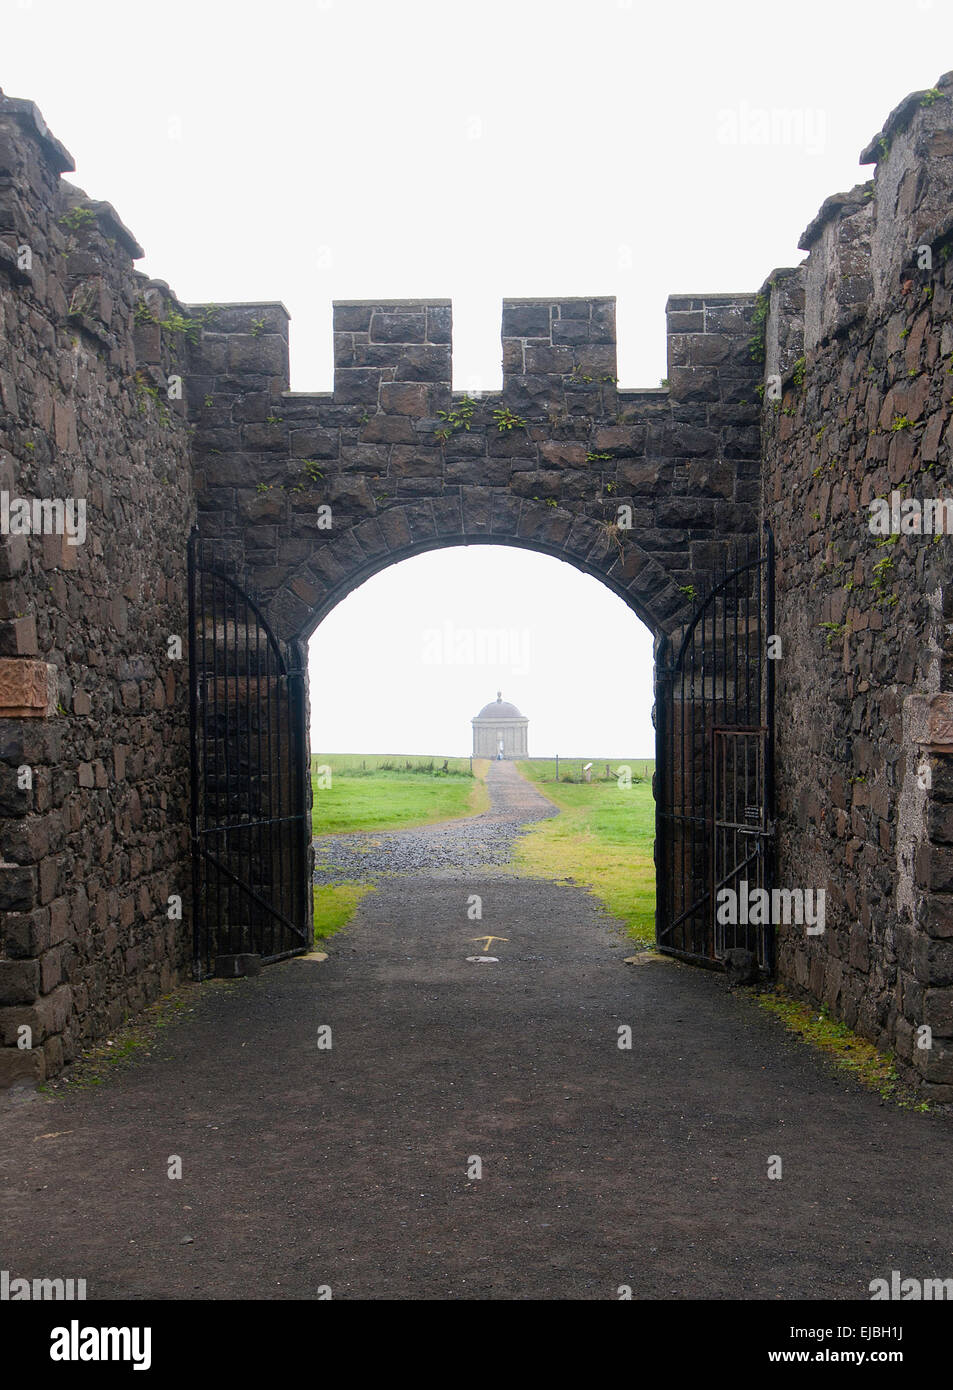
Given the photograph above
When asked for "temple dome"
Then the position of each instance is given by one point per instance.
(499, 709)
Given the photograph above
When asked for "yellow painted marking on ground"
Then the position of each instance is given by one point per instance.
(488, 939)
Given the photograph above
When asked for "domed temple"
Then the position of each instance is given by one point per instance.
(499, 730)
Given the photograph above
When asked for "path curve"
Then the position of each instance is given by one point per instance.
(464, 843)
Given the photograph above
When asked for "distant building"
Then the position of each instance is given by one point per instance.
(500, 729)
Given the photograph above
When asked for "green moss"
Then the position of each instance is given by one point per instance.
(846, 1049)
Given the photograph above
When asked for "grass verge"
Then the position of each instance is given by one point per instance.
(846, 1049)
(128, 1043)
(603, 840)
(335, 904)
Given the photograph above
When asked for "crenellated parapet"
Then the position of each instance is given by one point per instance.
(644, 488)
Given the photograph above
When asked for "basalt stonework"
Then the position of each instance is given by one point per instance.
(861, 338)
(797, 405)
(406, 466)
(93, 713)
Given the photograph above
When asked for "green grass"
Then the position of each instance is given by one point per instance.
(846, 1049)
(603, 840)
(381, 792)
(335, 904)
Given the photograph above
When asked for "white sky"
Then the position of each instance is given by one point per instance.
(310, 150)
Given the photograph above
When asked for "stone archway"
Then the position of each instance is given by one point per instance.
(308, 495)
(645, 490)
(582, 543)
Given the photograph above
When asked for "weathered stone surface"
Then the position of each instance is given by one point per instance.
(859, 339)
(27, 689)
(84, 627)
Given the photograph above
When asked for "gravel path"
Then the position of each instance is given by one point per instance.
(474, 842)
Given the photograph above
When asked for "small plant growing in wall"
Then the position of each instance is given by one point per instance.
(257, 327)
(81, 301)
(506, 420)
(312, 472)
(78, 219)
(146, 393)
(930, 96)
(759, 318)
(459, 418)
(174, 322)
(797, 376)
(883, 570)
(689, 591)
(595, 458)
(833, 631)
(614, 533)
(205, 318)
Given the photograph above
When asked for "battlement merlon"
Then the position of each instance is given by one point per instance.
(709, 342)
(243, 344)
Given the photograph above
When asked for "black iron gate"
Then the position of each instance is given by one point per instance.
(714, 785)
(250, 821)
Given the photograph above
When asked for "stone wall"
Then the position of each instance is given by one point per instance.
(861, 338)
(93, 712)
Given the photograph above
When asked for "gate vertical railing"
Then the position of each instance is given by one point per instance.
(714, 783)
(248, 776)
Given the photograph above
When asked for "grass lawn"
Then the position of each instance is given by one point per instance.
(603, 839)
(380, 792)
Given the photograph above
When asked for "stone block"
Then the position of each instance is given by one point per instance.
(28, 688)
(19, 981)
(18, 887)
(18, 637)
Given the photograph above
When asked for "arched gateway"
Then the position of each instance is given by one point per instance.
(304, 496)
(116, 398)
